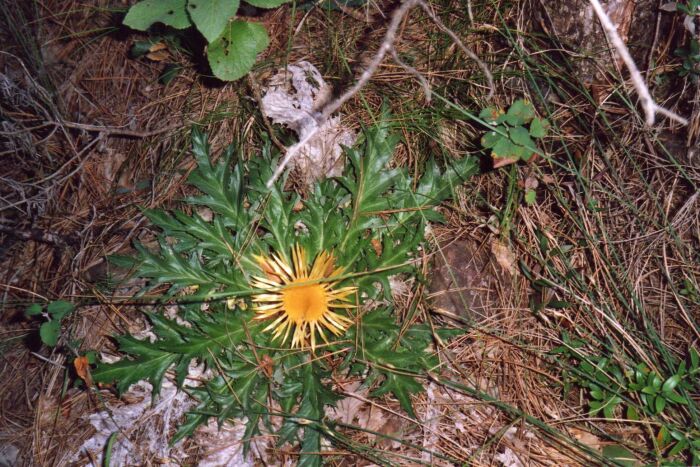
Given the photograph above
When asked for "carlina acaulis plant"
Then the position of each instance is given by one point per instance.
(302, 300)
(279, 281)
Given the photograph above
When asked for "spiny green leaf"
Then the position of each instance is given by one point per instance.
(233, 54)
(210, 16)
(401, 386)
(169, 12)
(149, 364)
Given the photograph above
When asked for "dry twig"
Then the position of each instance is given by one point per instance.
(650, 107)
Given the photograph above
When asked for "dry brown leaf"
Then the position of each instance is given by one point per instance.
(158, 56)
(584, 437)
(82, 368)
(504, 256)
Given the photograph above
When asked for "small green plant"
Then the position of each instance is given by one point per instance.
(279, 288)
(511, 141)
(691, 60)
(616, 391)
(233, 44)
(691, 8)
(53, 313)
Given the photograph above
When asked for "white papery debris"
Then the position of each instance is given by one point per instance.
(145, 428)
(508, 459)
(293, 98)
(223, 447)
(150, 424)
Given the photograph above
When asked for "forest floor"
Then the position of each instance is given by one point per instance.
(581, 268)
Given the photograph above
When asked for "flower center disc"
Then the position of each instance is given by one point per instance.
(304, 303)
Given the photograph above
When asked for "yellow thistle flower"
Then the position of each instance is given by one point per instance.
(300, 299)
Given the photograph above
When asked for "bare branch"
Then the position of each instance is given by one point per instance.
(650, 107)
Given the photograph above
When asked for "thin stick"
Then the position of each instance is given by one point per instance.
(431, 14)
(650, 107)
(417, 74)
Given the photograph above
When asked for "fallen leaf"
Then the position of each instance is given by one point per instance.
(82, 368)
(504, 257)
(584, 437)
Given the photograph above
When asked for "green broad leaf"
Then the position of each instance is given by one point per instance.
(520, 113)
(505, 149)
(267, 3)
(49, 332)
(620, 455)
(33, 310)
(211, 16)
(147, 12)
(401, 386)
(670, 384)
(539, 127)
(490, 139)
(59, 309)
(659, 404)
(694, 359)
(632, 413)
(677, 398)
(233, 54)
(192, 421)
(519, 135)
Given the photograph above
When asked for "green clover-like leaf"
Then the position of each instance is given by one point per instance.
(504, 148)
(521, 136)
(539, 127)
(490, 139)
(492, 115)
(520, 113)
